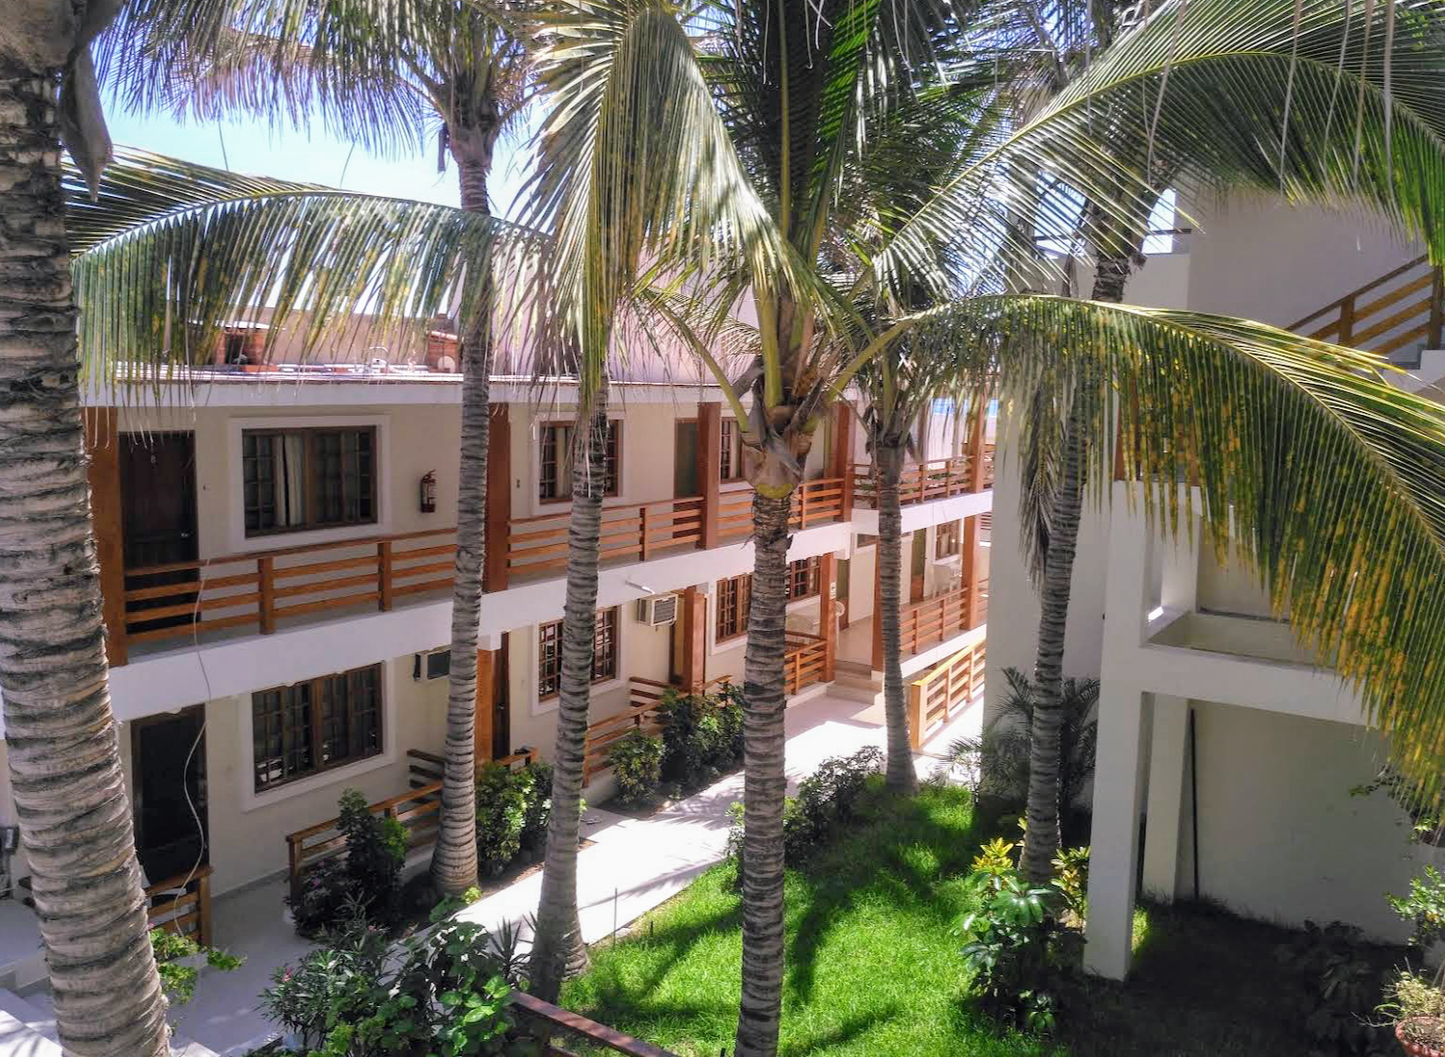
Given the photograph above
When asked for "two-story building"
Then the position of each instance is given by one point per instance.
(1220, 738)
(277, 545)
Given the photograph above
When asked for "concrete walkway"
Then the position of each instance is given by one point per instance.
(637, 864)
(633, 866)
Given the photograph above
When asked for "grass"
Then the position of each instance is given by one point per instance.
(873, 964)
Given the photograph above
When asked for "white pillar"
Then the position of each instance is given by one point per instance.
(1113, 861)
(1168, 740)
(1179, 587)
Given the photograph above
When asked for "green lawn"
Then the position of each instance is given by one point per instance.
(873, 967)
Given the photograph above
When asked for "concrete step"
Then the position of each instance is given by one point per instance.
(867, 694)
(861, 668)
(25, 1031)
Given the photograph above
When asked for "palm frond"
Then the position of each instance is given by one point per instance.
(636, 170)
(1326, 478)
(1313, 98)
(173, 253)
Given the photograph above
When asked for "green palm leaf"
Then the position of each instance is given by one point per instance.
(173, 252)
(1325, 477)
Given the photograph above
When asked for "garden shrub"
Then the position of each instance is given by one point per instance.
(702, 735)
(177, 972)
(827, 799)
(636, 760)
(364, 878)
(1336, 989)
(445, 995)
(513, 807)
(1011, 948)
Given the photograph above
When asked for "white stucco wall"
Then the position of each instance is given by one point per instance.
(1280, 836)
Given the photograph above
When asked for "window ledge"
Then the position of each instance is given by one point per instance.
(254, 801)
(552, 704)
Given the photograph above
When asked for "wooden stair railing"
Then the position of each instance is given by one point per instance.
(1403, 306)
(418, 811)
(643, 712)
(949, 686)
(182, 904)
(805, 661)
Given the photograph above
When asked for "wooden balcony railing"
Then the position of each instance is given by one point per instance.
(933, 621)
(182, 599)
(545, 1021)
(1400, 308)
(926, 481)
(182, 904)
(937, 696)
(644, 700)
(816, 502)
(539, 544)
(418, 811)
(805, 661)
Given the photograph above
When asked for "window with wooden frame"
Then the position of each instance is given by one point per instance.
(946, 540)
(316, 725)
(730, 451)
(549, 653)
(802, 578)
(299, 479)
(733, 596)
(554, 474)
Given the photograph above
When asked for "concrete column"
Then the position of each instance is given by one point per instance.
(1179, 586)
(1115, 840)
(499, 498)
(1169, 737)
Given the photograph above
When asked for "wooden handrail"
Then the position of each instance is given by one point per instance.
(935, 697)
(187, 913)
(1352, 320)
(418, 810)
(919, 482)
(556, 1019)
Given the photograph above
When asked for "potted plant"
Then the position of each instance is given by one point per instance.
(1417, 1007)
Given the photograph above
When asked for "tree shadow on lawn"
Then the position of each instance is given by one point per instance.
(907, 852)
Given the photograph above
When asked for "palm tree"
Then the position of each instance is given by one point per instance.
(769, 110)
(1281, 96)
(374, 85)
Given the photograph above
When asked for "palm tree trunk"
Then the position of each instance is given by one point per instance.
(558, 951)
(1042, 839)
(454, 859)
(64, 752)
(888, 459)
(764, 782)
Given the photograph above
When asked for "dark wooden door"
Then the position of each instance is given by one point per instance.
(916, 566)
(168, 759)
(158, 520)
(501, 715)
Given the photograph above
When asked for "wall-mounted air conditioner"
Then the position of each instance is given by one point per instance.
(435, 664)
(657, 611)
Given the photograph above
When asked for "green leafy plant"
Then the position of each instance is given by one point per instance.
(446, 995)
(451, 904)
(702, 735)
(1423, 906)
(1417, 1006)
(826, 800)
(997, 763)
(1336, 989)
(636, 760)
(513, 806)
(174, 953)
(366, 873)
(1071, 878)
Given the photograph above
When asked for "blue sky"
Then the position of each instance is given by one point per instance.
(251, 146)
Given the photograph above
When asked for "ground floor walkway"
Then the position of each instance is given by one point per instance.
(630, 866)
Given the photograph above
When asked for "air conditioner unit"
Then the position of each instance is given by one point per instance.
(657, 611)
(435, 664)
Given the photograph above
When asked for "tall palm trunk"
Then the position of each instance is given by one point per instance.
(454, 860)
(558, 950)
(764, 782)
(1042, 813)
(63, 749)
(888, 459)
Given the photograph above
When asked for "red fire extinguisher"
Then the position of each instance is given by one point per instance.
(429, 492)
